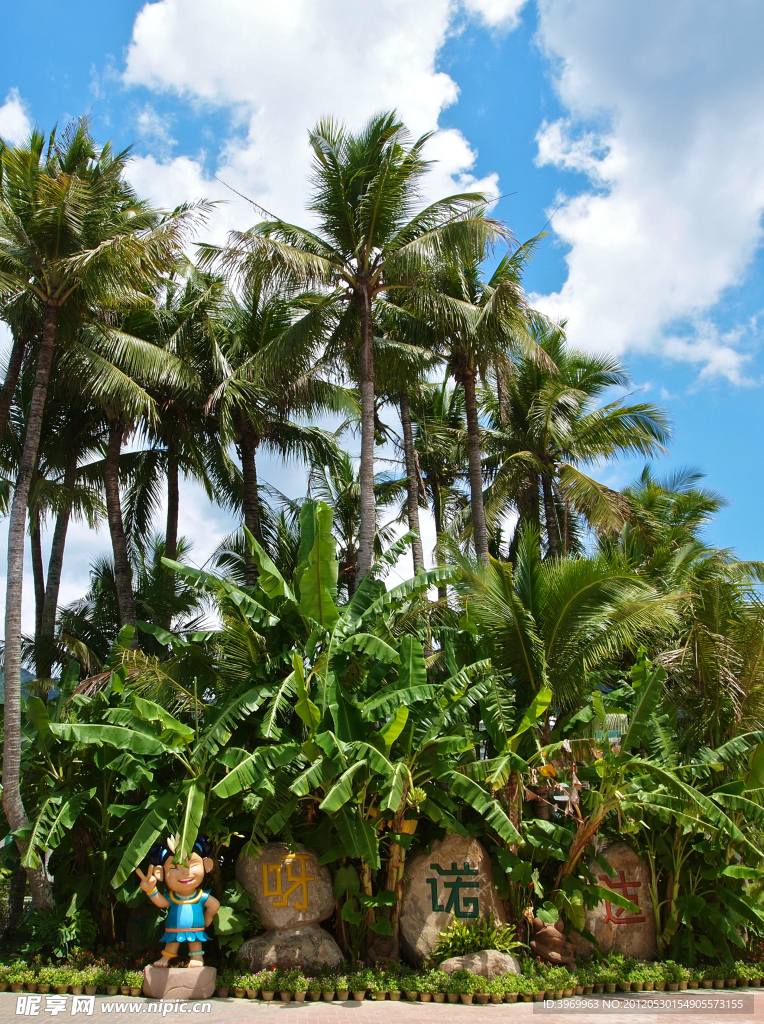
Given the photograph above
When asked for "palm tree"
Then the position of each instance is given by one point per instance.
(74, 235)
(549, 624)
(373, 240)
(267, 377)
(714, 658)
(494, 320)
(552, 426)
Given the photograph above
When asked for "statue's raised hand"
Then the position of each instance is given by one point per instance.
(148, 882)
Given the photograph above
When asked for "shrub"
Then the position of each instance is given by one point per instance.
(463, 937)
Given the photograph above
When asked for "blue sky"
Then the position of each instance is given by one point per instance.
(633, 131)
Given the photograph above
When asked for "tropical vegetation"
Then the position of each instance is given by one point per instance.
(577, 665)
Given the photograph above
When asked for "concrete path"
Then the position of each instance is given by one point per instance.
(704, 1008)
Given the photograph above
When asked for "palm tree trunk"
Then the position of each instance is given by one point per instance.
(55, 565)
(479, 531)
(13, 804)
(173, 503)
(248, 450)
(437, 514)
(123, 574)
(368, 509)
(550, 515)
(411, 481)
(11, 379)
(38, 575)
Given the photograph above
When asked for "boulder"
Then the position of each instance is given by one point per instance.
(186, 983)
(306, 945)
(614, 928)
(288, 889)
(453, 880)
(488, 962)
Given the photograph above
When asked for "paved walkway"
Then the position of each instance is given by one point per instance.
(732, 1006)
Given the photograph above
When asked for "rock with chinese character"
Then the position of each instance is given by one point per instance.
(453, 880)
(614, 927)
(292, 893)
(179, 982)
(305, 945)
(289, 888)
(488, 962)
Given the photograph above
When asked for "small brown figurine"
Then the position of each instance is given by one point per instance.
(191, 909)
(549, 943)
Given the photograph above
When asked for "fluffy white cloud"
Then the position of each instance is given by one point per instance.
(15, 125)
(502, 14)
(665, 110)
(277, 68)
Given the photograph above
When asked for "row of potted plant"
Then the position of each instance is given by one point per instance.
(619, 973)
(375, 983)
(21, 976)
(397, 981)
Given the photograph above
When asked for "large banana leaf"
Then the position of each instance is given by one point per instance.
(253, 766)
(317, 566)
(111, 735)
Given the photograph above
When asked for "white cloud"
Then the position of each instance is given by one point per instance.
(665, 110)
(15, 125)
(275, 69)
(503, 14)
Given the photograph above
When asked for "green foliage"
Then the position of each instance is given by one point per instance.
(463, 937)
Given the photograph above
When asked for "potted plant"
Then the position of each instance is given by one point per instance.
(300, 987)
(134, 980)
(90, 977)
(480, 989)
(378, 985)
(76, 983)
(411, 984)
(112, 981)
(696, 973)
(526, 989)
(326, 984)
(609, 975)
(18, 974)
(495, 990)
(3, 978)
(638, 975)
(342, 988)
(359, 982)
(225, 980)
(462, 983)
(268, 983)
(427, 985)
(437, 982)
(510, 986)
(46, 977)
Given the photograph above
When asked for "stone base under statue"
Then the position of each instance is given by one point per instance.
(305, 945)
(179, 982)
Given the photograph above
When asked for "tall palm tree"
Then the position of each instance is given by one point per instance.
(266, 379)
(494, 320)
(74, 235)
(553, 426)
(373, 239)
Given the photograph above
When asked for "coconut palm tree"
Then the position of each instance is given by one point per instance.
(268, 376)
(553, 425)
(494, 321)
(75, 236)
(374, 238)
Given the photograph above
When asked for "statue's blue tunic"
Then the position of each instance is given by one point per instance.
(185, 918)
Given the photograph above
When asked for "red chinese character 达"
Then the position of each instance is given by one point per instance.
(617, 916)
